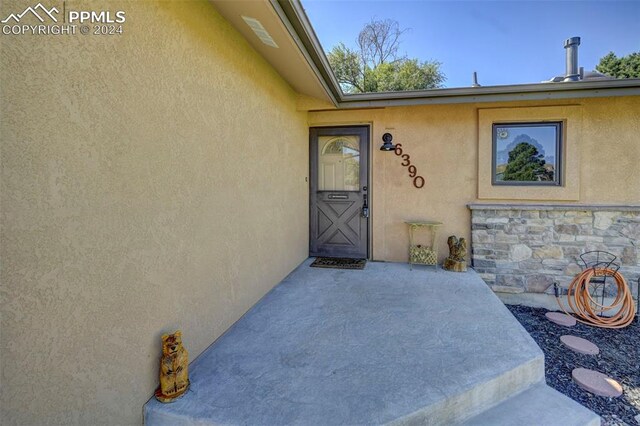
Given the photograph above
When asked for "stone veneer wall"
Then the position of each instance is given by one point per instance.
(526, 248)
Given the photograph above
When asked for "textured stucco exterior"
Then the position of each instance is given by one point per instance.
(151, 181)
(445, 143)
(157, 180)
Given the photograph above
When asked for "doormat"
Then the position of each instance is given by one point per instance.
(338, 263)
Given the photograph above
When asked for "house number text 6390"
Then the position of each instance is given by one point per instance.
(418, 181)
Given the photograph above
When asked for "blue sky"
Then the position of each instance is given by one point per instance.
(506, 42)
(545, 136)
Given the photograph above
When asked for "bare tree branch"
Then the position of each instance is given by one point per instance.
(379, 42)
(375, 65)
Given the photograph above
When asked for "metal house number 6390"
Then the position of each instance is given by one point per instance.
(418, 181)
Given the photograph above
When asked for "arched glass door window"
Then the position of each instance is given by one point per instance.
(339, 163)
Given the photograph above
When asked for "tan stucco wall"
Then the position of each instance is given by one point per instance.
(150, 181)
(611, 151)
(156, 180)
(444, 144)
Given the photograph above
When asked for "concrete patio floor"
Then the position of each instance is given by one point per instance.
(381, 345)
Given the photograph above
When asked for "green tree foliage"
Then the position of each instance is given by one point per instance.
(623, 67)
(375, 65)
(526, 164)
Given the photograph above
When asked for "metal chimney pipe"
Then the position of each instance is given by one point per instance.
(571, 50)
(475, 80)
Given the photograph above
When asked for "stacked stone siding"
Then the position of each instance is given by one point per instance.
(526, 248)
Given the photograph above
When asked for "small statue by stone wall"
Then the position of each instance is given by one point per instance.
(457, 251)
(174, 368)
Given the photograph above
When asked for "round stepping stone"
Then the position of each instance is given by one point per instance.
(561, 319)
(580, 345)
(596, 382)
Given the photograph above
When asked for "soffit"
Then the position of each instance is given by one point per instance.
(287, 59)
(300, 61)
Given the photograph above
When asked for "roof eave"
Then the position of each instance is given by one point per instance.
(293, 15)
(295, 19)
(505, 93)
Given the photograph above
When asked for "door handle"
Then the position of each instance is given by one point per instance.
(365, 207)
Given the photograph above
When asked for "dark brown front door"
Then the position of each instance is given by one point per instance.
(339, 187)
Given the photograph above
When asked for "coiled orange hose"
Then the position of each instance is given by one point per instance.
(588, 310)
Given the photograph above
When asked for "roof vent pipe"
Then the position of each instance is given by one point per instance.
(571, 49)
(475, 80)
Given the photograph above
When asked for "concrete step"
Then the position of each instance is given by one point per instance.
(538, 405)
(385, 345)
(453, 408)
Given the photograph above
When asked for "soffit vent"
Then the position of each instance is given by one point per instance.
(257, 28)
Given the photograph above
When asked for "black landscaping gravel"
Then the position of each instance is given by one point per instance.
(619, 358)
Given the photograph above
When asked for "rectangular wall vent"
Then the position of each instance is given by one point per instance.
(259, 30)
